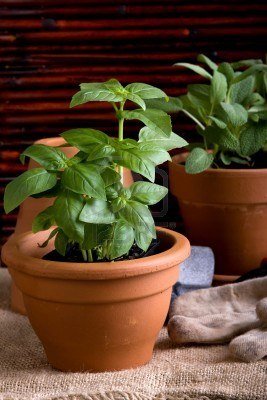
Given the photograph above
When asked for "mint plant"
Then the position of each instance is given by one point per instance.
(230, 113)
(92, 209)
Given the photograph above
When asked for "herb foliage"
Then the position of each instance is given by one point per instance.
(92, 208)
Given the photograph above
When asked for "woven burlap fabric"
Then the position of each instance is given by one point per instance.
(175, 373)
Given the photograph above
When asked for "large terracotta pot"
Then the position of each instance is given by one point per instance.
(225, 209)
(95, 316)
(32, 207)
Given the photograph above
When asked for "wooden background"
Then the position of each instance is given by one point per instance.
(47, 47)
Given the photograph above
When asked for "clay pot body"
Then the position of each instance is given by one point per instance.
(32, 207)
(226, 210)
(95, 316)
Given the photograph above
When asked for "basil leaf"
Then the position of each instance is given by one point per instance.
(49, 157)
(169, 105)
(137, 100)
(198, 161)
(83, 138)
(174, 141)
(61, 242)
(153, 153)
(33, 181)
(145, 91)
(106, 91)
(44, 220)
(156, 120)
(139, 217)
(52, 234)
(84, 179)
(97, 212)
(121, 241)
(142, 240)
(134, 159)
(147, 193)
(97, 151)
(67, 208)
(110, 176)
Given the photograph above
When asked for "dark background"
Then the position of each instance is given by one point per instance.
(48, 47)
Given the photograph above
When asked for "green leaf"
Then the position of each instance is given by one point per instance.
(225, 158)
(137, 100)
(260, 110)
(157, 120)
(110, 91)
(139, 217)
(44, 220)
(227, 70)
(153, 153)
(61, 242)
(122, 240)
(205, 60)
(92, 235)
(198, 161)
(218, 88)
(250, 71)
(236, 114)
(117, 204)
(110, 176)
(97, 212)
(169, 105)
(200, 91)
(67, 208)
(217, 122)
(253, 138)
(84, 179)
(97, 151)
(83, 138)
(196, 68)
(52, 234)
(223, 137)
(147, 193)
(79, 157)
(246, 63)
(174, 141)
(134, 159)
(240, 91)
(145, 91)
(33, 181)
(143, 240)
(49, 157)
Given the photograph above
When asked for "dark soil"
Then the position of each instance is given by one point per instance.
(74, 255)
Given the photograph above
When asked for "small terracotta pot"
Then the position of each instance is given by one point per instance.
(225, 209)
(95, 316)
(32, 207)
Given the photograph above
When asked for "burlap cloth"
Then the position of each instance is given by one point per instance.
(175, 373)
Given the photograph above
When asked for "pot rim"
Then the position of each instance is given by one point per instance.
(178, 158)
(16, 259)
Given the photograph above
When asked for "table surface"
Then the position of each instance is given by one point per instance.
(180, 373)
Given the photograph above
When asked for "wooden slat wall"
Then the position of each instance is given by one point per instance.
(47, 47)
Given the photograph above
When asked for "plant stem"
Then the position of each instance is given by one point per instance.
(89, 256)
(121, 122)
(84, 255)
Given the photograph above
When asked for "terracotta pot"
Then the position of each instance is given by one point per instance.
(225, 209)
(32, 207)
(95, 316)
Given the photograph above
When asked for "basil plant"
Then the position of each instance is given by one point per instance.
(92, 209)
(230, 113)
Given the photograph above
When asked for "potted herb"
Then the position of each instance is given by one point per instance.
(221, 182)
(93, 293)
